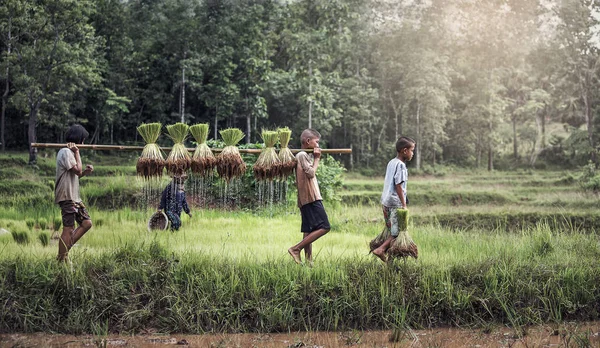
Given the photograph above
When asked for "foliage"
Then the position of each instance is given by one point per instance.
(363, 73)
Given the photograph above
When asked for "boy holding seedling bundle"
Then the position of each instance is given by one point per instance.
(66, 192)
(173, 201)
(394, 192)
(315, 223)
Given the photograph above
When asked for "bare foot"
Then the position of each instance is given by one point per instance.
(380, 255)
(295, 255)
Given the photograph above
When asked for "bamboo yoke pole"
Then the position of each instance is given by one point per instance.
(190, 149)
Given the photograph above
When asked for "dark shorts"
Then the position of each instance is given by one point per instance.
(314, 217)
(72, 212)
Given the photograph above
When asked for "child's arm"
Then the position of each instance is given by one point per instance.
(185, 206)
(400, 193)
(307, 168)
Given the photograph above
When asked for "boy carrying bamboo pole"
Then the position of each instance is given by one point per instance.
(394, 194)
(315, 222)
(66, 192)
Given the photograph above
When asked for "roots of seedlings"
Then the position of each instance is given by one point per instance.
(179, 160)
(288, 162)
(203, 166)
(267, 166)
(230, 164)
(403, 246)
(382, 237)
(150, 167)
(203, 161)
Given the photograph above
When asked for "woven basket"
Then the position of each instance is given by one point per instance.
(158, 221)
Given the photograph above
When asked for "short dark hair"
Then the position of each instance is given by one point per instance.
(404, 142)
(76, 134)
(309, 133)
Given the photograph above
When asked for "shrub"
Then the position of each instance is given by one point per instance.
(44, 238)
(42, 223)
(20, 236)
(56, 224)
(30, 223)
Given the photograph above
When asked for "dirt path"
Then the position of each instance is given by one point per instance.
(552, 335)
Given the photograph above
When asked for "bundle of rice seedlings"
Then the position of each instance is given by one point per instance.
(286, 157)
(151, 163)
(267, 166)
(179, 159)
(229, 162)
(403, 245)
(203, 160)
(382, 237)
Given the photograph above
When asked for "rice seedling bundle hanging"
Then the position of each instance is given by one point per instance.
(382, 237)
(203, 160)
(179, 159)
(286, 157)
(229, 162)
(403, 245)
(268, 166)
(151, 163)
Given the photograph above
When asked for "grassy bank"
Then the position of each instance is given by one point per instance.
(229, 271)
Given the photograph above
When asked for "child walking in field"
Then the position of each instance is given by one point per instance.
(315, 222)
(66, 191)
(394, 191)
(173, 201)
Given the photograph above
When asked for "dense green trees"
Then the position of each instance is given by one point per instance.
(472, 81)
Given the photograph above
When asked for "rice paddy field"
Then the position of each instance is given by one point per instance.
(496, 250)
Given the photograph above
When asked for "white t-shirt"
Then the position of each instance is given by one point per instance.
(396, 173)
(67, 182)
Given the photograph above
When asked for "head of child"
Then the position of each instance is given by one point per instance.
(179, 182)
(76, 134)
(405, 147)
(310, 139)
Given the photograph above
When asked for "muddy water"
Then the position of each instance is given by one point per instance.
(552, 335)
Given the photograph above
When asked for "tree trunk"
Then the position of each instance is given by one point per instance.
(590, 127)
(182, 96)
(433, 152)
(216, 122)
(2, 117)
(514, 129)
(478, 151)
(248, 124)
(6, 89)
(31, 135)
(310, 103)
(397, 118)
(490, 158)
(543, 141)
(419, 135)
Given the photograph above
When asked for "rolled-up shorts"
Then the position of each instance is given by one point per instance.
(73, 211)
(314, 217)
(390, 216)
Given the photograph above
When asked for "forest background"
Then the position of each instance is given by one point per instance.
(477, 83)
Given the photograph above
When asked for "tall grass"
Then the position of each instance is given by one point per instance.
(227, 271)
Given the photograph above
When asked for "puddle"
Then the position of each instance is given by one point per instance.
(551, 335)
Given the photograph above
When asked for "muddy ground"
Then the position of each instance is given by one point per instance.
(551, 335)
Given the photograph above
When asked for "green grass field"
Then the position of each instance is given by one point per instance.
(517, 260)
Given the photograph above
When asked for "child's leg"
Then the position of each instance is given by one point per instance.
(307, 250)
(83, 220)
(64, 243)
(380, 252)
(311, 237)
(80, 231)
